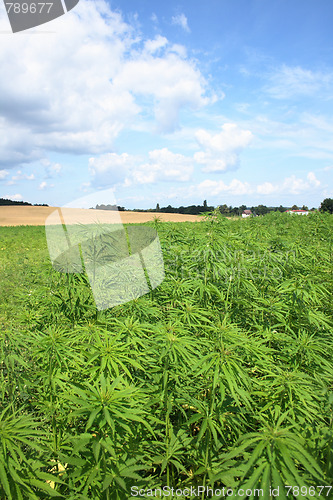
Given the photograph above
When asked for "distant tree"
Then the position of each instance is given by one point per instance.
(5, 201)
(260, 210)
(224, 209)
(304, 207)
(193, 210)
(157, 209)
(327, 205)
(205, 204)
(281, 209)
(294, 207)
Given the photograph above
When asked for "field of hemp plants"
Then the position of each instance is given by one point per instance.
(221, 377)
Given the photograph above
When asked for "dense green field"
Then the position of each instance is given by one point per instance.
(221, 376)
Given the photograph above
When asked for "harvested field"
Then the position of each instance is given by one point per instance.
(36, 216)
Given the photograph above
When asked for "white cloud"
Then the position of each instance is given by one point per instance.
(110, 168)
(181, 51)
(16, 142)
(51, 169)
(181, 20)
(221, 151)
(54, 169)
(75, 109)
(14, 197)
(294, 185)
(44, 185)
(214, 188)
(172, 82)
(313, 179)
(308, 136)
(108, 77)
(163, 165)
(266, 188)
(20, 177)
(289, 81)
(236, 187)
(210, 188)
(155, 45)
(3, 174)
(290, 185)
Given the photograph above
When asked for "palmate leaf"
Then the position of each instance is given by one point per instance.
(283, 452)
(231, 374)
(20, 474)
(266, 482)
(278, 482)
(290, 385)
(208, 420)
(4, 478)
(220, 470)
(175, 345)
(44, 487)
(190, 314)
(254, 481)
(105, 404)
(172, 450)
(301, 455)
(310, 350)
(108, 478)
(132, 330)
(109, 354)
(18, 429)
(54, 347)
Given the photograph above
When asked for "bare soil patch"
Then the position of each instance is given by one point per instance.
(35, 216)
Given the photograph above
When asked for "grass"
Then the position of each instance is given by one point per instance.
(222, 376)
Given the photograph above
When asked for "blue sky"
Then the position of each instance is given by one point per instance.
(170, 103)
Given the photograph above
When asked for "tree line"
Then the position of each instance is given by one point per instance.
(224, 209)
(326, 206)
(5, 202)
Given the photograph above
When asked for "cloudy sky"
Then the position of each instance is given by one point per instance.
(170, 103)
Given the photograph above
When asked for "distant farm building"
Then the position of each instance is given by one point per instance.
(299, 212)
(247, 213)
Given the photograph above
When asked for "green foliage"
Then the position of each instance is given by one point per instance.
(327, 205)
(222, 376)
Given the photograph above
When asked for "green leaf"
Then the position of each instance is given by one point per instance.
(5, 483)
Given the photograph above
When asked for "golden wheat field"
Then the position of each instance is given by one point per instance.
(36, 216)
